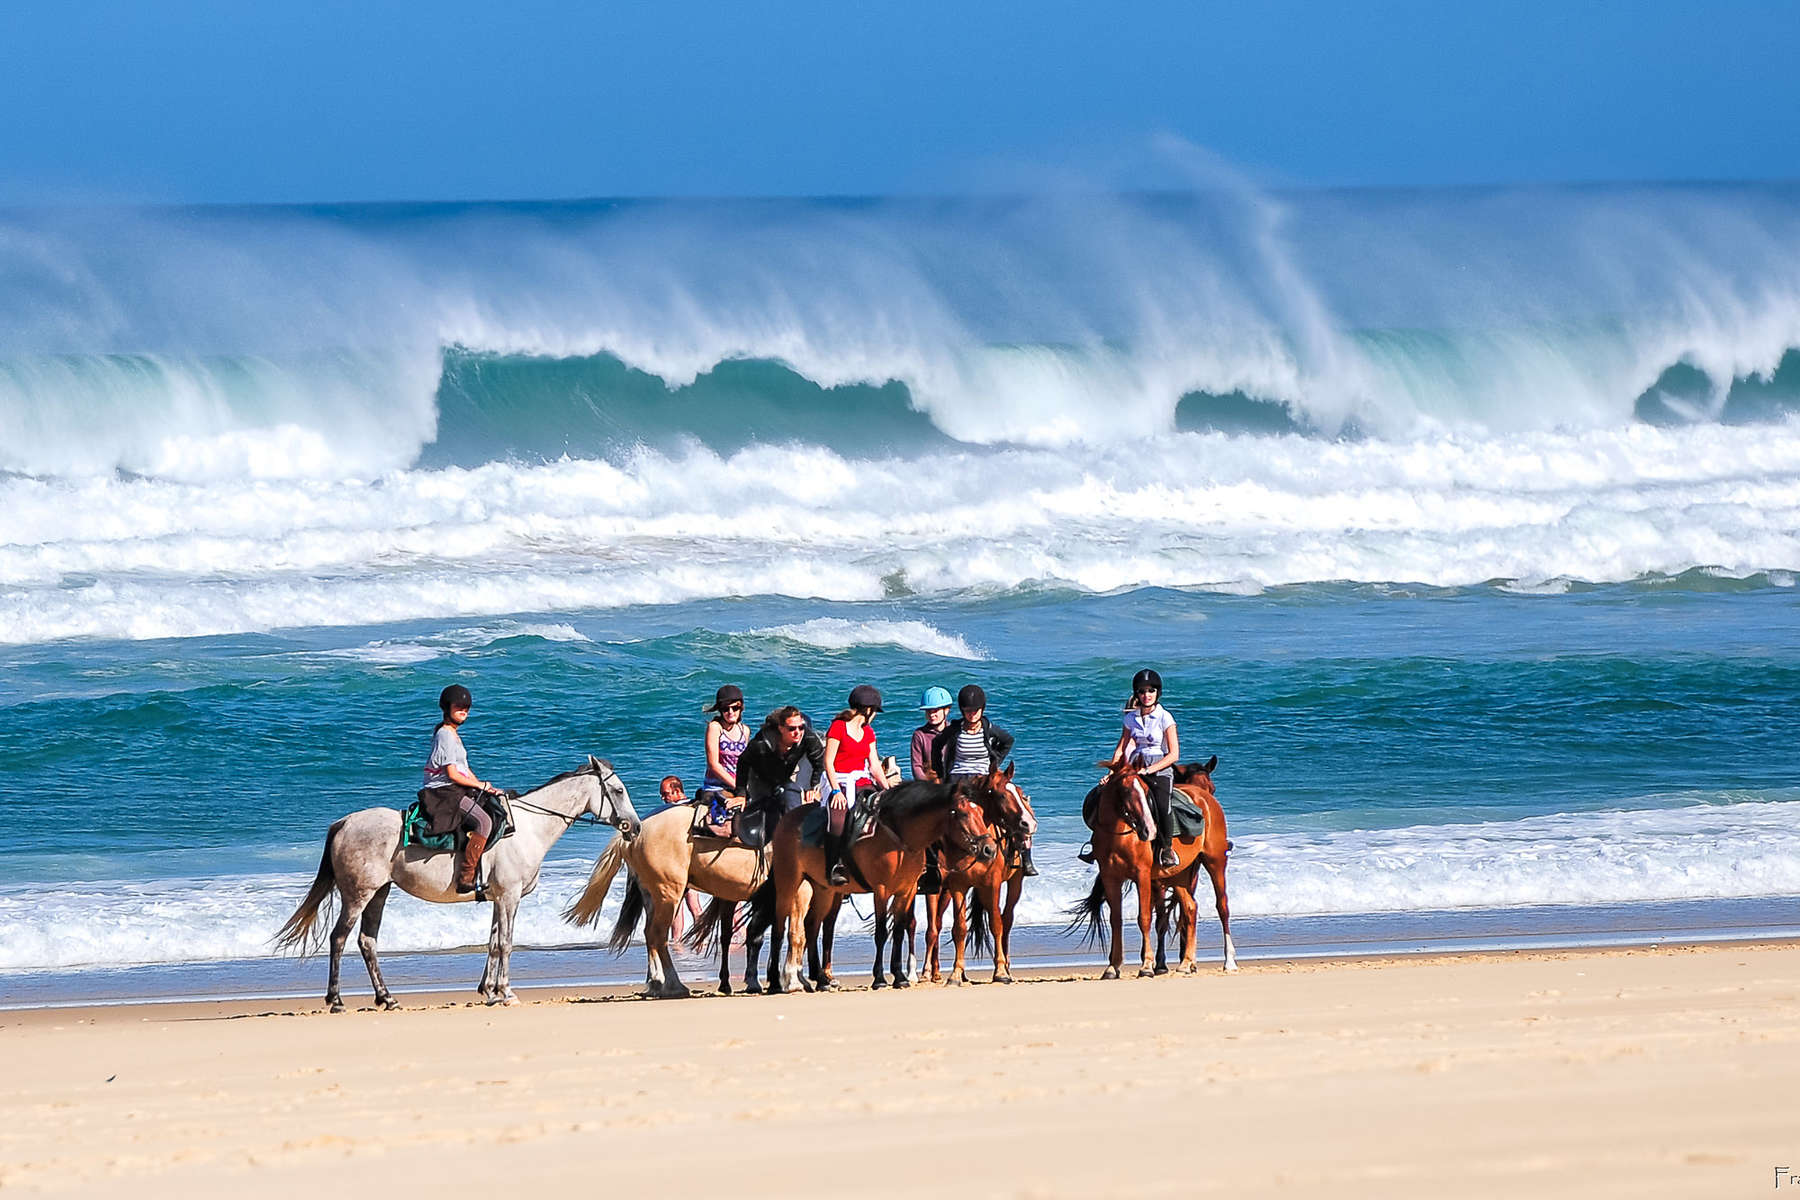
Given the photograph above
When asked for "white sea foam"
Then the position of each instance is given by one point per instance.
(147, 558)
(1689, 852)
(394, 652)
(836, 633)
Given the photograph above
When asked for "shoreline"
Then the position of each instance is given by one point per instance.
(1638, 1071)
(1335, 937)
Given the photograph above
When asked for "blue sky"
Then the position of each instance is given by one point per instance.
(229, 100)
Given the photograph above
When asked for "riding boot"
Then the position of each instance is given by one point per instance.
(1025, 863)
(1165, 820)
(835, 850)
(469, 860)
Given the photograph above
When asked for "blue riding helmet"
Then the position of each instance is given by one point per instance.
(935, 697)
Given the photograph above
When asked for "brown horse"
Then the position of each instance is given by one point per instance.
(1122, 829)
(910, 818)
(1009, 810)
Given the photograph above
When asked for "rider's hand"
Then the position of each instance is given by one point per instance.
(810, 796)
(840, 802)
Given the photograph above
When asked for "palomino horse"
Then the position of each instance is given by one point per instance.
(363, 859)
(909, 818)
(1122, 852)
(1009, 810)
(664, 860)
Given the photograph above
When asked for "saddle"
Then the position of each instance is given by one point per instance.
(1185, 818)
(749, 829)
(416, 828)
(859, 822)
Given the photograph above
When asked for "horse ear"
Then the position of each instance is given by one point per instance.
(1210, 764)
(593, 764)
(1009, 770)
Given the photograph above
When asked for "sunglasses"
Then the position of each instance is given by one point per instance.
(794, 728)
(1148, 691)
(733, 708)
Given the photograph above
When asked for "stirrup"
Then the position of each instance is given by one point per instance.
(1087, 852)
(1166, 857)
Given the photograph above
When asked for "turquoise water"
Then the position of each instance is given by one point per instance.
(1476, 571)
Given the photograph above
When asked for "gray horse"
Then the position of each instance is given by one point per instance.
(363, 859)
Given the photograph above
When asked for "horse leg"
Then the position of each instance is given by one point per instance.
(901, 916)
(1215, 870)
(1184, 896)
(350, 907)
(1014, 886)
(365, 941)
(727, 921)
(934, 932)
(880, 917)
(1162, 931)
(959, 935)
(811, 930)
(506, 909)
(1146, 898)
(1114, 890)
(990, 900)
(658, 922)
(824, 935)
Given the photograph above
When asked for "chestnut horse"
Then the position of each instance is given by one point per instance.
(1122, 852)
(1009, 810)
(909, 818)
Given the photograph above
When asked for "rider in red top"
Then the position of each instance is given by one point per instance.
(850, 764)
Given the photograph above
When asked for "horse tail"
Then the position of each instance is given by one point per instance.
(631, 914)
(585, 908)
(304, 929)
(762, 912)
(981, 938)
(1087, 916)
(708, 927)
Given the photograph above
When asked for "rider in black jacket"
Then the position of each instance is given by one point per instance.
(974, 746)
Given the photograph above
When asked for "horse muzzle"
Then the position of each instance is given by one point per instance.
(986, 851)
(628, 829)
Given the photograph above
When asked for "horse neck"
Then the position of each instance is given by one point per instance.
(1113, 802)
(924, 825)
(565, 798)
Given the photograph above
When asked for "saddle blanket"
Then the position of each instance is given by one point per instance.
(856, 824)
(415, 829)
(1184, 815)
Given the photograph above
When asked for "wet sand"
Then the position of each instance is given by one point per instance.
(1640, 1072)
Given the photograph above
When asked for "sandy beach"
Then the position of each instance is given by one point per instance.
(1661, 1072)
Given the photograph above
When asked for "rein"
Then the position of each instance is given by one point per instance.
(568, 820)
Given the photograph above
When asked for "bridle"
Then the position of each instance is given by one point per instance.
(603, 771)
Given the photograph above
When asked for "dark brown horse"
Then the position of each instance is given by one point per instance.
(1009, 810)
(1122, 852)
(910, 818)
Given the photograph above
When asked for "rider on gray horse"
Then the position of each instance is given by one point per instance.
(452, 796)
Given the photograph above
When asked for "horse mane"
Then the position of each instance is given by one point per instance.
(907, 800)
(590, 767)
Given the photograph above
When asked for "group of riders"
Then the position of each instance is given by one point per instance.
(752, 779)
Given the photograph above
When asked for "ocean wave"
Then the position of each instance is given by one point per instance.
(1721, 850)
(340, 343)
(396, 652)
(837, 633)
(146, 558)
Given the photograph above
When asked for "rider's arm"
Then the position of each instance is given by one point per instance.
(833, 789)
(1173, 741)
(1118, 754)
(712, 757)
(457, 773)
(1002, 745)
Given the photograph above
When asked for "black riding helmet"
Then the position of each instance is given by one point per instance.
(865, 695)
(971, 697)
(1145, 678)
(454, 697)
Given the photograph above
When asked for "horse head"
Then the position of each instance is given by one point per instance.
(967, 831)
(1197, 774)
(1007, 804)
(609, 801)
(1131, 799)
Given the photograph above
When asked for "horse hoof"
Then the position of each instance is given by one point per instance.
(386, 1003)
(1146, 973)
(1231, 967)
(336, 1005)
(753, 988)
(999, 978)
(880, 983)
(1161, 969)
(902, 982)
(1110, 973)
(724, 987)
